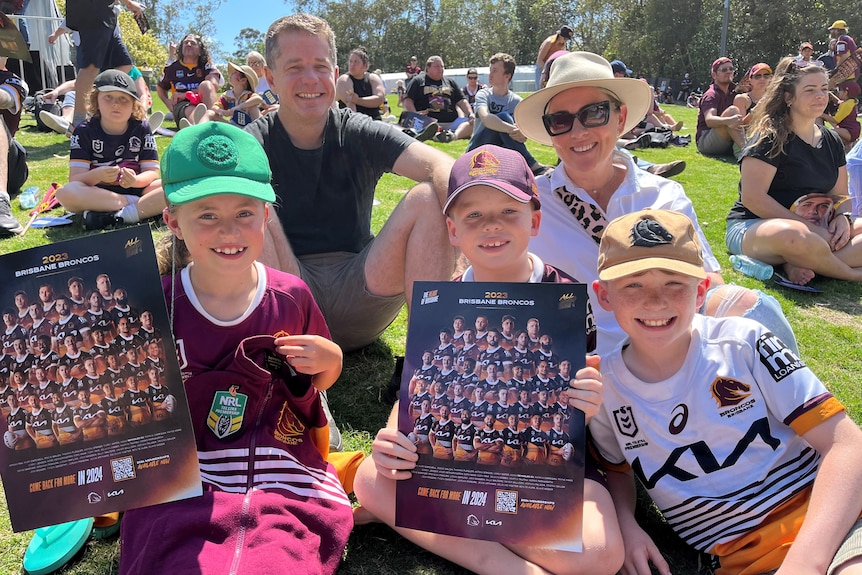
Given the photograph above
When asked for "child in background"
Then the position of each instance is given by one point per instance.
(113, 161)
(493, 197)
(744, 451)
(240, 105)
(845, 121)
(254, 334)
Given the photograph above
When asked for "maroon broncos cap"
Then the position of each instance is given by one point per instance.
(503, 169)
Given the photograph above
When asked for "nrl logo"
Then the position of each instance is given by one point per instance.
(227, 412)
(624, 418)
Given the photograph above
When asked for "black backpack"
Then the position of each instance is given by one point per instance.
(39, 105)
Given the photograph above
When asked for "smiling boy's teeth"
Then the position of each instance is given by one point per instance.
(656, 322)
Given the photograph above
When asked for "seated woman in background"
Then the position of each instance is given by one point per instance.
(758, 79)
(360, 90)
(791, 156)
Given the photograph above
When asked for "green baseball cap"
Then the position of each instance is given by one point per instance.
(215, 158)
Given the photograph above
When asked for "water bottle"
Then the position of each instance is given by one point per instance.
(29, 198)
(751, 267)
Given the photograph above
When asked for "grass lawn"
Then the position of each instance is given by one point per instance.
(828, 328)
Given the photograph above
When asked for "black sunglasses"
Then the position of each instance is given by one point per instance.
(592, 116)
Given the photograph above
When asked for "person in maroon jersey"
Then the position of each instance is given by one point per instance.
(255, 355)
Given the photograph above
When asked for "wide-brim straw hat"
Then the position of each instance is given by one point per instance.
(582, 70)
(246, 71)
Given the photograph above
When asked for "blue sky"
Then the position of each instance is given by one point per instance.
(234, 15)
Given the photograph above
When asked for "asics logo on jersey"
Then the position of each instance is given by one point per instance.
(778, 360)
(727, 392)
(700, 455)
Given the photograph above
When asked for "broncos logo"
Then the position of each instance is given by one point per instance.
(649, 233)
(727, 392)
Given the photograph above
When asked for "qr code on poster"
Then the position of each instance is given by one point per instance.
(507, 502)
(123, 468)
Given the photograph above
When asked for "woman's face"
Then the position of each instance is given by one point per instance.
(586, 149)
(356, 67)
(810, 97)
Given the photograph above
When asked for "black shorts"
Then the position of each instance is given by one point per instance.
(102, 48)
(17, 164)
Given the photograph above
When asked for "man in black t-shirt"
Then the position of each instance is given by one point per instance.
(326, 164)
(441, 98)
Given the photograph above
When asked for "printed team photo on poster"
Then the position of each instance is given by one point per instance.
(501, 453)
(93, 412)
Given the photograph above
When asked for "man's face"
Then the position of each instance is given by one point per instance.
(497, 76)
(63, 371)
(565, 367)
(836, 32)
(458, 324)
(492, 371)
(445, 337)
(723, 75)
(434, 70)
(112, 361)
(815, 210)
(76, 289)
(103, 283)
(447, 362)
(303, 77)
(426, 358)
(542, 368)
(147, 319)
(131, 355)
(98, 336)
(469, 337)
(62, 307)
(191, 48)
(9, 319)
(493, 339)
(153, 349)
(517, 371)
(19, 346)
(533, 328)
(46, 294)
(70, 343)
(481, 323)
(21, 301)
(508, 326)
(123, 326)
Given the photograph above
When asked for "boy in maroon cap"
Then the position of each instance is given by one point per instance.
(492, 210)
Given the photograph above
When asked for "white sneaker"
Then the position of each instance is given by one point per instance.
(184, 123)
(155, 121)
(198, 113)
(57, 123)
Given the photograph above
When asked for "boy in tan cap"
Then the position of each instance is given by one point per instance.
(744, 451)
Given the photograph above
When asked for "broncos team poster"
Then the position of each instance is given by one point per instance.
(501, 454)
(93, 412)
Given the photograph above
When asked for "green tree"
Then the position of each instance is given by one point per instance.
(247, 40)
(145, 49)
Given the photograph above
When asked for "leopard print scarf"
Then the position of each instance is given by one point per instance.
(587, 214)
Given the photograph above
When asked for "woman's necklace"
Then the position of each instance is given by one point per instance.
(610, 185)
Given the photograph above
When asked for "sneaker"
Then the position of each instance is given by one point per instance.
(9, 225)
(155, 121)
(100, 220)
(429, 132)
(642, 141)
(184, 123)
(677, 127)
(667, 170)
(198, 113)
(336, 443)
(57, 123)
(444, 136)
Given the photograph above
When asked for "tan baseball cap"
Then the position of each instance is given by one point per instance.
(650, 239)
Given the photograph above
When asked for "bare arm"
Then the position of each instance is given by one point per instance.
(408, 105)
(639, 548)
(423, 163)
(835, 503)
(165, 98)
(101, 175)
(343, 91)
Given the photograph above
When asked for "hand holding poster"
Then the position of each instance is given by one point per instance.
(501, 453)
(94, 413)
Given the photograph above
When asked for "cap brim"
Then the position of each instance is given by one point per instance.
(635, 94)
(191, 190)
(644, 264)
(117, 89)
(504, 187)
